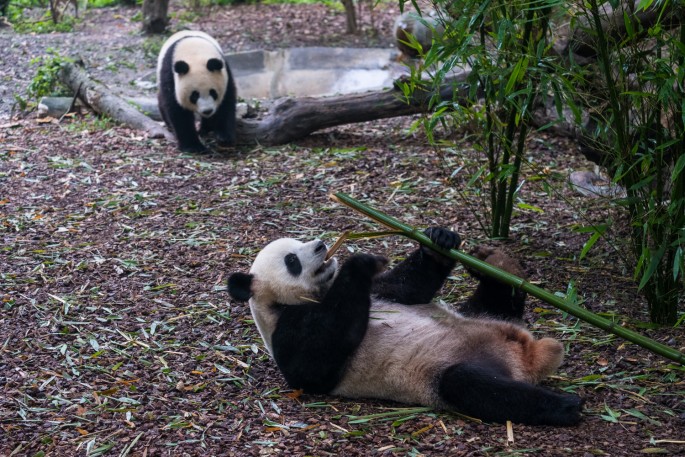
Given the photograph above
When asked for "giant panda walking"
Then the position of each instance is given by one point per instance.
(360, 333)
(194, 80)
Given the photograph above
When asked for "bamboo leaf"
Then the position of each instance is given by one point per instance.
(644, 4)
(635, 413)
(653, 265)
(677, 262)
(678, 169)
(598, 231)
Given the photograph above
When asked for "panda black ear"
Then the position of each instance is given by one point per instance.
(214, 65)
(181, 67)
(240, 286)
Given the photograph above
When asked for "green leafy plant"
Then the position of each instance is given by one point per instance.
(46, 80)
(505, 47)
(198, 5)
(152, 45)
(641, 133)
(108, 3)
(19, 14)
(631, 84)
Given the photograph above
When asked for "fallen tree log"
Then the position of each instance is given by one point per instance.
(290, 119)
(103, 101)
(286, 120)
(59, 106)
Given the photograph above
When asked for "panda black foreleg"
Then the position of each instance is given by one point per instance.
(183, 123)
(420, 276)
(223, 122)
(488, 393)
(313, 342)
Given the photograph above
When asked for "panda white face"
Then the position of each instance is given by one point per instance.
(200, 75)
(289, 272)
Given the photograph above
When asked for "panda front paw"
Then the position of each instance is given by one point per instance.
(365, 265)
(443, 237)
(198, 148)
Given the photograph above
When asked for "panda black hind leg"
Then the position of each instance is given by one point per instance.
(420, 276)
(484, 390)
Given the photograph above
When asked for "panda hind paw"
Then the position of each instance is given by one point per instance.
(500, 259)
(569, 411)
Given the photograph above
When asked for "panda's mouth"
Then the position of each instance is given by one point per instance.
(327, 269)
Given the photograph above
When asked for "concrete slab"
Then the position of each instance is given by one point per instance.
(314, 71)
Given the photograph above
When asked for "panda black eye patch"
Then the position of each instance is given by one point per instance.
(214, 94)
(194, 97)
(292, 263)
(214, 65)
(181, 67)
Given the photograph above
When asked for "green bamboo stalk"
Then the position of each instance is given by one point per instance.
(514, 281)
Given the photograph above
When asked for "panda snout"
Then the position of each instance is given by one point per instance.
(207, 112)
(320, 247)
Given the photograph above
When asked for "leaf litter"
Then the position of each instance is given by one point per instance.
(117, 336)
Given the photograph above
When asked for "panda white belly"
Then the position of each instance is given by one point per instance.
(406, 348)
(396, 359)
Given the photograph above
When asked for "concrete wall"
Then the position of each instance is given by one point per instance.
(313, 71)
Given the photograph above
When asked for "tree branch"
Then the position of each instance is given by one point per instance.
(103, 101)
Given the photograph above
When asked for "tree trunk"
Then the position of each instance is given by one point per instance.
(350, 16)
(155, 18)
(54, 11)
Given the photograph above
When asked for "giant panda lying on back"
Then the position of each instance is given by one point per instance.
(194, 80)
(360, 333)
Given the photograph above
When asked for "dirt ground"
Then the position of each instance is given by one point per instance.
(117, 336)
